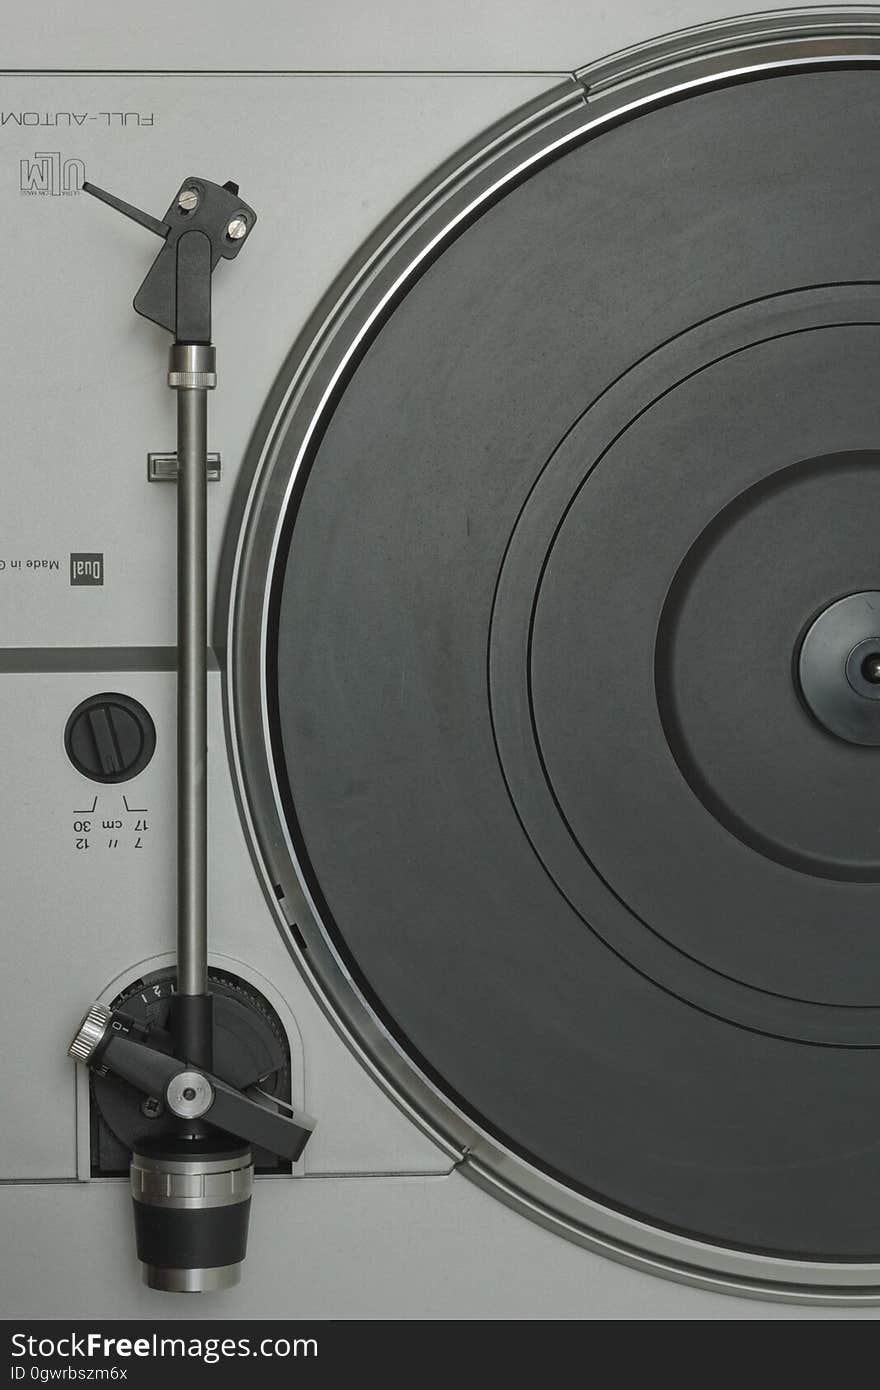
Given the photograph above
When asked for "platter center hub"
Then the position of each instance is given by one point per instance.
(839, 668)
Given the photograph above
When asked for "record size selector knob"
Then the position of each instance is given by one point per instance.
(110, 738)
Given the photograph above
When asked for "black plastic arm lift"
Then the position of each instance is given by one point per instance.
(131, 1051)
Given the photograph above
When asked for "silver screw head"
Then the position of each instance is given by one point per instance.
(189, 1094)
(237, 227)
(188, 199)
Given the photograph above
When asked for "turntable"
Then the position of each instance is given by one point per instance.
(523, 958)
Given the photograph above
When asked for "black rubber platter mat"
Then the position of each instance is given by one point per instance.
(538, 619)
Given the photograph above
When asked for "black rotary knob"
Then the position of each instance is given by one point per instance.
(110, 738)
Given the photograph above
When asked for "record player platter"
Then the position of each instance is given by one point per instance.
(561, 581)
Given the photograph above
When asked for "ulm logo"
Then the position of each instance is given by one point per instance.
(49, 175)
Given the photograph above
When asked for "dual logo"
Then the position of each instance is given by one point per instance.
(86, 568)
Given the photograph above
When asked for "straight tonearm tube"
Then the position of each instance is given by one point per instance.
(191, 1192)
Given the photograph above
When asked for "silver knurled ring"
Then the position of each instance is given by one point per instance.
(193, 381)
(90, 1033)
